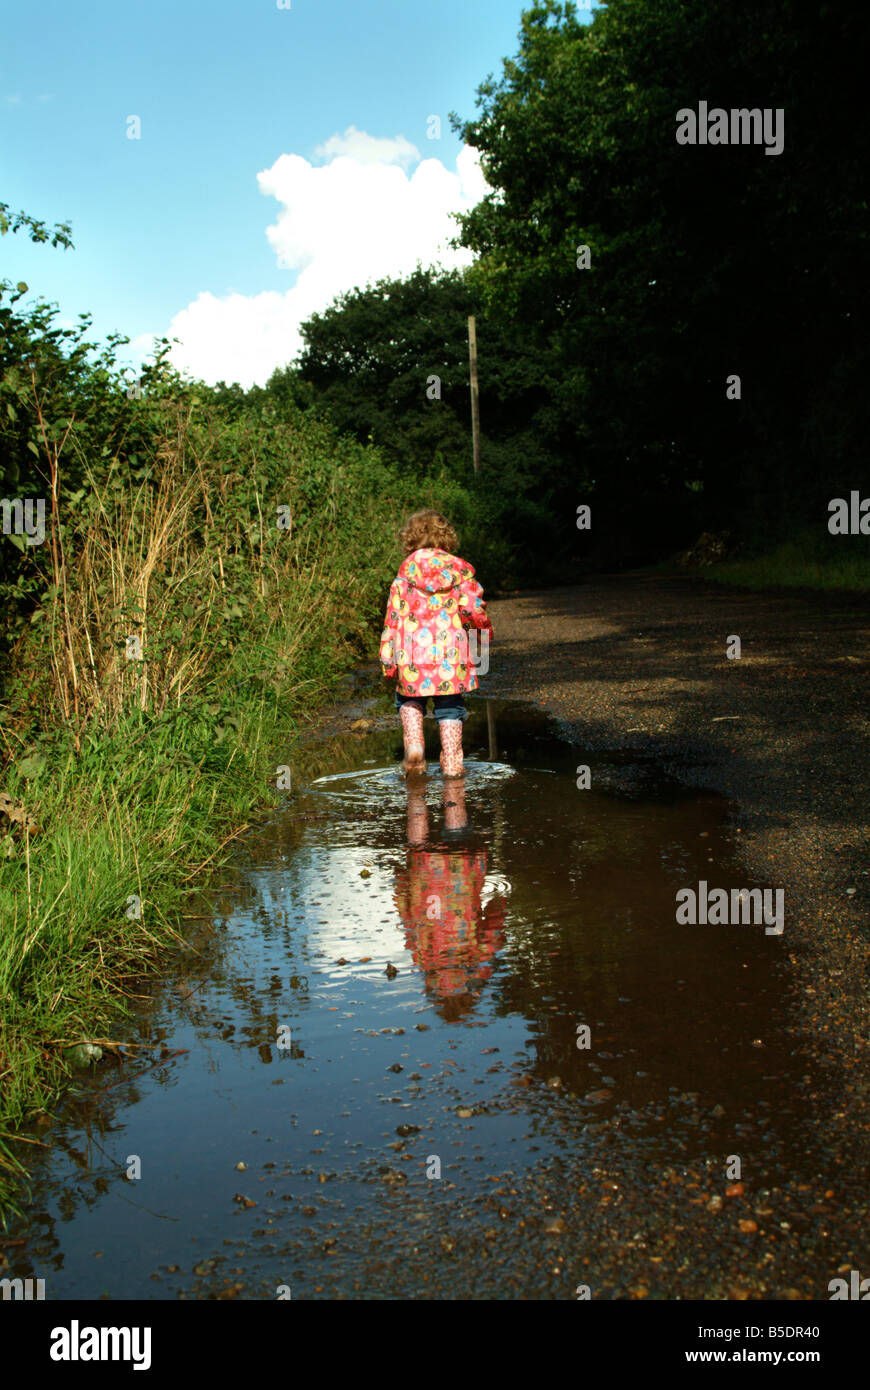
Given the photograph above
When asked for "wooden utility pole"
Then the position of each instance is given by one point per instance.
(475, 395)
(490, 728)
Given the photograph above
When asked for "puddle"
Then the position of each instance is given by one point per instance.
(481, 925)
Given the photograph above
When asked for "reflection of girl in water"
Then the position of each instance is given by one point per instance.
(452, 938)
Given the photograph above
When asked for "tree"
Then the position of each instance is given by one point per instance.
(702, 260)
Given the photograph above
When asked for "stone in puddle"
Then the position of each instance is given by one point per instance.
(391, 1177)
(555, 1226)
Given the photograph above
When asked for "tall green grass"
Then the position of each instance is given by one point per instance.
(129, 777)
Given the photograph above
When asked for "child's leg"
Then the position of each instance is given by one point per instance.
(411, 715)
(450, 712)
(451, 746)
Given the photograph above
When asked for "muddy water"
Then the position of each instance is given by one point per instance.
(381, 1023)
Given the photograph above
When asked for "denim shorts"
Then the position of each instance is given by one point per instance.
(444, 706)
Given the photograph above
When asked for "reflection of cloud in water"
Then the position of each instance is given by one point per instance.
(344, 914)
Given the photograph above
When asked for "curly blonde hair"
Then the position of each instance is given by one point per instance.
(428, 529)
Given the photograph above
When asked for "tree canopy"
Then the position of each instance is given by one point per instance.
(704, 262)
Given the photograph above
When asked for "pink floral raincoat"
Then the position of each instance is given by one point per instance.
(434, 601)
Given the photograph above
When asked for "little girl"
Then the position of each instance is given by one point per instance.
(434, 601)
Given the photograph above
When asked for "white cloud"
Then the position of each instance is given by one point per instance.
(141, 346)
(359, 217)
(368, 149)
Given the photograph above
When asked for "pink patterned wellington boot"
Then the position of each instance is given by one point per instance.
(415, 749)
(451, 747)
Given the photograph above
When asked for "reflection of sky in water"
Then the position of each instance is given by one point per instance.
(363, 917)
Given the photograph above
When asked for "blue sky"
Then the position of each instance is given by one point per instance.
(171, 229)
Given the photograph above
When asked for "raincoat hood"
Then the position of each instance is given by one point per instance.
(434, 571)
